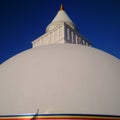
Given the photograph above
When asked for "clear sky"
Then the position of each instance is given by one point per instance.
(22, 21)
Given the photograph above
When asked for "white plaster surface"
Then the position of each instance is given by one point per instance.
(64, 78)
(62, 17)
(59, 19)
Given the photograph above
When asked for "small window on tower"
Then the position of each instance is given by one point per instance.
(72, 36)
(76, 39)
(68, 34)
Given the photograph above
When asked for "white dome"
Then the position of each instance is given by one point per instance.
(60, 79)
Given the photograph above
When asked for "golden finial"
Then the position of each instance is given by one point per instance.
(61, 7)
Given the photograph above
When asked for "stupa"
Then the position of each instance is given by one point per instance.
(61, 77)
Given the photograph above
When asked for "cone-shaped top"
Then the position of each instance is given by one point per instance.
(61, 17)
(61, 7)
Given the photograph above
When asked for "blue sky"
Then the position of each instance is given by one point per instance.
(22, 21)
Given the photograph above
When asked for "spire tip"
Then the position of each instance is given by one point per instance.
(61, 7)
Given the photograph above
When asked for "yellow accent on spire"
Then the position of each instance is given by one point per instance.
(61, 7)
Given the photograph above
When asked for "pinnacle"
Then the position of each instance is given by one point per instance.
(61, 7)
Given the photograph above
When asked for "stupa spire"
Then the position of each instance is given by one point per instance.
(61, 7)
(61, 30)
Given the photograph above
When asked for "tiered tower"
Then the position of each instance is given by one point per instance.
(61, 30)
